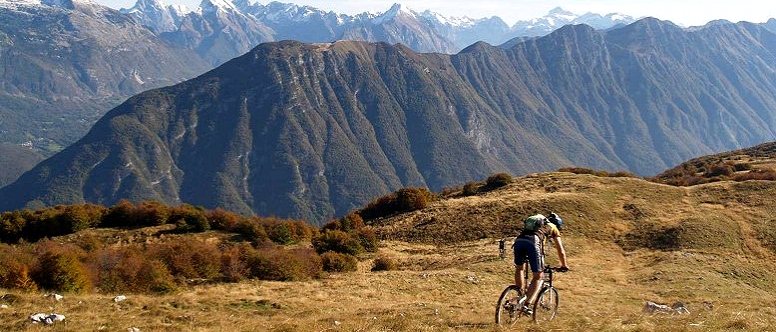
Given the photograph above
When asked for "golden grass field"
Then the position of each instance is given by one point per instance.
(628, 241)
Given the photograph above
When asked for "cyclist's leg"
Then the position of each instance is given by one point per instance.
(537, 267)
(521, 249)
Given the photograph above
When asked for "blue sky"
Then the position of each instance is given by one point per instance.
(684, 12)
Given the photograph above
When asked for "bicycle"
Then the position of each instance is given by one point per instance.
(509, 308)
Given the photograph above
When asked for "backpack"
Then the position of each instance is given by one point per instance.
(535, 222)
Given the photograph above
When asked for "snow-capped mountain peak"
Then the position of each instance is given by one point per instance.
(397, 10)
(212, 5)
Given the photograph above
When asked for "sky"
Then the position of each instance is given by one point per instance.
(682, 12)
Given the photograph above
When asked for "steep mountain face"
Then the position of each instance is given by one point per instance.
(15, 160)
(315, 130)
(64, 64)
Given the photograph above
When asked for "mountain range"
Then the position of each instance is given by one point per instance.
(65, 63)
(242, 25)
(314, 130)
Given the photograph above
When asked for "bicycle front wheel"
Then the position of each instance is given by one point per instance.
(508, 308)
(546, 306)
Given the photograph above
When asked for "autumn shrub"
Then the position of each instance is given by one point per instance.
(157, 277)
(89, 242)
(74, 218)
(498, 180)
(188, 258)
(61, 271)
(384, 263)
(116, 269)
(337, 262)
(45, 223)
(367, 238)
(757, 174)
(151, 213)
(11, 226)
(189, 219)
(579, 170)
(233, 265)
(337, 241)
(274, 263)
(351, 221)
(470, 189)
(221, 219)
(623, 174)
(15, 269)
(252, 231)
(719, 170)
(403, 200)
(121, 214)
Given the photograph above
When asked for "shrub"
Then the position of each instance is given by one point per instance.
(384, 263)
(351, 221)
(188, 258)
(337, 241)
(151, 214)
(367, 238)
(757, 174)
(470, 189)
(154, 275)
(498, 180)
(279, 233)
(188, 219)
(11, 226)
(15, 269)
(411, 199)
(223, 220)
(336, 262)
(233, 265)
(403, 200)
(74, 218)
(122, 214)
(61, 272)
(284, 265)
(582, 170)
(719, 170)
(253, 231)
(119, 270)
(623, 174)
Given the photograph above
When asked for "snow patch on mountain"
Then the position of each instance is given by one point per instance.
(397, 10)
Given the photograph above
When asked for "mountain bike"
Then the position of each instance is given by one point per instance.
(509, 308)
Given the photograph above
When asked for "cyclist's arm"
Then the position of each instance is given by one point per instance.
(561, 251)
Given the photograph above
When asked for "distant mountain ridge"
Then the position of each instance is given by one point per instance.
(314, 130)
(422, 31)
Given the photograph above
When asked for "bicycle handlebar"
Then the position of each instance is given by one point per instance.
(555, 269)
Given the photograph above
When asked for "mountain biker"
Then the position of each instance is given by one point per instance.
(529, 246)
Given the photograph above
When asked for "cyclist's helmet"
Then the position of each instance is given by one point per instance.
(555, 219)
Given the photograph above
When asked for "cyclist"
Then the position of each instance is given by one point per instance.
(529, 246)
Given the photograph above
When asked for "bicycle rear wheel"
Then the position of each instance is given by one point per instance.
(508, 308)
(546, 306)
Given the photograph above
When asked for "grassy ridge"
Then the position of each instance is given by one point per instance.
(628, 240)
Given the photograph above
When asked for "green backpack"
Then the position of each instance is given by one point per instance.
(535, 222)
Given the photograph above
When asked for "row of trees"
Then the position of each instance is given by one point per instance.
(263, 248)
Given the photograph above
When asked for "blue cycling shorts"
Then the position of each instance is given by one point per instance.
(529, 248)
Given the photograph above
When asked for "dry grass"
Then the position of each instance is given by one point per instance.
(629, 241)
